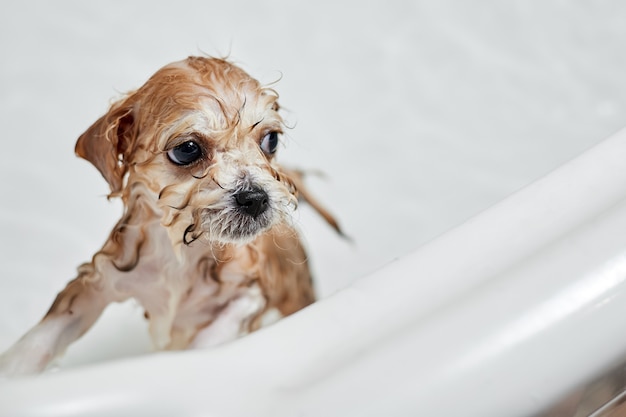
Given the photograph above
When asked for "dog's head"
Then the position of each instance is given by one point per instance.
(200, 136)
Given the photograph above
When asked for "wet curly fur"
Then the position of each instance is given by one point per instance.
(205, 243)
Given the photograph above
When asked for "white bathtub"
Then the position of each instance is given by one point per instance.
(503, 315)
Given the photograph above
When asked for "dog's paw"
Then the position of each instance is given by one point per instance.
(17, 362)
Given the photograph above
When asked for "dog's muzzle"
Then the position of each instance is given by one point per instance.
(245, 213)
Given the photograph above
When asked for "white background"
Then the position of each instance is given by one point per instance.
(419, 113)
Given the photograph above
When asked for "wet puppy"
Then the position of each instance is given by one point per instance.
(205, 243)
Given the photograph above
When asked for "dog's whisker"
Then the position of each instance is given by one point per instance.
(254, 125)
(201, 176)
(205, 172)
(188, 230)
(216, 182)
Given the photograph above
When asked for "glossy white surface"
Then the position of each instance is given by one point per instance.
(505, 314)
(421, 114)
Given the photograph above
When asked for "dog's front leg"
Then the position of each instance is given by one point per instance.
(234, 320)
(73, 312)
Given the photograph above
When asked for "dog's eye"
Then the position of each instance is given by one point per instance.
(185, 153)
(269, 143)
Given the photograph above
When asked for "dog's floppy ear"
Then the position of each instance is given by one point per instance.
(108, 142)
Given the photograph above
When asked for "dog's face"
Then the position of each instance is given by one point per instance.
(201, 136)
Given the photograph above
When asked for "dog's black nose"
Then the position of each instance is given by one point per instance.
(252, 202)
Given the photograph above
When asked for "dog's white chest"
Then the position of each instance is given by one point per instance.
(184, 294)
